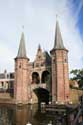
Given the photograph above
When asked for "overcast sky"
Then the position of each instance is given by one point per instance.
(39, 20)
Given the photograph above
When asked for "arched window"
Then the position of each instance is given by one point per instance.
(35, 78)
(45, 77)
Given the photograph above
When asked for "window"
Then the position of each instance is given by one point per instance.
(2, 84)
(20, 65)
(39, 57)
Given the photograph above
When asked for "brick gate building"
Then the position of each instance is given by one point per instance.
(37, 81)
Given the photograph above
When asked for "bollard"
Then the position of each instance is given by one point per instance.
(28, 123)
(50, 123)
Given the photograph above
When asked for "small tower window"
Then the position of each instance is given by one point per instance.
(65, 59)
(53, 60)
(20, 65)
(2, 84)
(39, 57)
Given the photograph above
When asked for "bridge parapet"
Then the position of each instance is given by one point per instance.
(35, 86)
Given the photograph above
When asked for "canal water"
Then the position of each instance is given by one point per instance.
(13, 115)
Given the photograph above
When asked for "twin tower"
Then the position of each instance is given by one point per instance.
(59, 72)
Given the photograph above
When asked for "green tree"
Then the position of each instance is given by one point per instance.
(78, 76)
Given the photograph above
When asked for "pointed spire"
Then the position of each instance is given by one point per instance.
(39, 47)
(22, 49)
(58, 43)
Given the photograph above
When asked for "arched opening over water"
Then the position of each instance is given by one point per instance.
(42, 94)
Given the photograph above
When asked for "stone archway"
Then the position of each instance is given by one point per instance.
(42, 95)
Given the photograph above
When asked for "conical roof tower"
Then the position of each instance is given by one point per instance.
(22, 74)
(59, 62)
(58, 42)
(22, 49)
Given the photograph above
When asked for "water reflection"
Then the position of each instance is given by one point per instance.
(12, 115)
